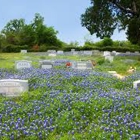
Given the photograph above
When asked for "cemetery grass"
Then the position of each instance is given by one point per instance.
(65, 104)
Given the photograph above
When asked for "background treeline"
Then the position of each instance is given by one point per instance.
(36, 36)
(106, 44)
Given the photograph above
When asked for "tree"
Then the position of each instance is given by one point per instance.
(16, 35)
(104, 16)
(12, 31)
(44, 35)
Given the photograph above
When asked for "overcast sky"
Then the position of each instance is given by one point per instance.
(63, 15)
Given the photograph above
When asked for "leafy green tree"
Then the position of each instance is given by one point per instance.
(107, 42)
(12, 31)
(16, 35)
(44, 35)
(104, 16)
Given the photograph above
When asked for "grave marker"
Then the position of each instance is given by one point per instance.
(136, 84)
(109, 58)
(21, 64)
(60, 52)
(88, 53)
(13, 87)
(23, 51)
(46, 64)
(107, 53)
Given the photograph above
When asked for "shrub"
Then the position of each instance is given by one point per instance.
(107, 41)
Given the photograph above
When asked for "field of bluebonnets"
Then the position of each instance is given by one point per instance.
(67, 104)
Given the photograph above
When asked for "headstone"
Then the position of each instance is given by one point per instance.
(68, 53)
(113, 53)
(82, 65)
(107, 53)
(127, 52)
(51, 51)
(72, 50)
(88, 53)
(46, 64)
(13, 87)
(95, 52)
(136, 52)
(75, 53)
(23, 51)
(136, 84)
(89, 65)
(74, 64)
(60, 52)
(52, 54)
(118, 53)
(21, 64)
(109, 58)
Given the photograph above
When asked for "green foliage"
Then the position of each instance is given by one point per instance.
(16, 35)
(107, 42)
(133, 31)
(104, 16)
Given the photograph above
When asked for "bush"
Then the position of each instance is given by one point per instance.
(107, 42)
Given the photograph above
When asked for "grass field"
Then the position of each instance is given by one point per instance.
(67, 104)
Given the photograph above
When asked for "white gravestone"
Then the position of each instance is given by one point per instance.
(107, 53)
(74, 64)
(136, 84)
(137, 52)
(46, 64)
(52, 54)
(127, 52)
(109, 58)
(13, 87)
(60, 52)
(88, 53)
(75, 52)
(23, 51)
(51, 51)
(72, 50)
(83, 65)
(21, 64)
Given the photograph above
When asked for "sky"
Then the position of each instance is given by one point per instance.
(63, 15)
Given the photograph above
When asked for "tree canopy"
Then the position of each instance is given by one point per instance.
(104, 16)
(17, 33)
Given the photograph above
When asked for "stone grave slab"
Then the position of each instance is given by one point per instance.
(13, 87)
(60, 52)
(136, 84)
(88, 53)
(52, 54)
(21, 64)
(109, 58)
(51, 51)
(107, 53)
(23, 51)
(46, 64)
(75, 52)
(82, 65)
(72, 50)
